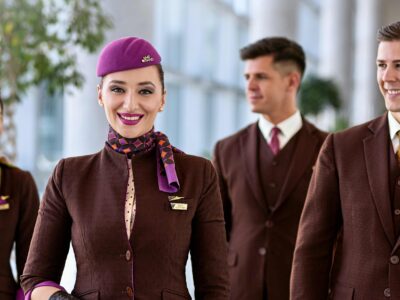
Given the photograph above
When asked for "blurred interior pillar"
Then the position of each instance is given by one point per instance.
(365, 100)
(336, 37)
(273, 18)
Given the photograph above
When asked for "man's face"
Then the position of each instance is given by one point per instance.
(267, 88)
(388, 73)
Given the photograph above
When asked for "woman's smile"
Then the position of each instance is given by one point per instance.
(130, 119)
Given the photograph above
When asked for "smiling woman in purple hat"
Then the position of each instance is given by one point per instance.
(134, 210)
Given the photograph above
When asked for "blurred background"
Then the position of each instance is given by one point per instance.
(199, 42)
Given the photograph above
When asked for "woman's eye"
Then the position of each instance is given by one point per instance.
(117, 90)
(145, 92)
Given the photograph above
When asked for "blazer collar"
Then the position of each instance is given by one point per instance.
(249, 155)
(376, 161)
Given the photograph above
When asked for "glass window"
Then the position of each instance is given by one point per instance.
(49, 133)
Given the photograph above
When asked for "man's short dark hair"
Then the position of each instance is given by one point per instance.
(389, 32)
(282, 50)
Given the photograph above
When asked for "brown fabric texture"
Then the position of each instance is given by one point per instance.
(347, 247)
(84, 202)
(262, 238)
(16, 224)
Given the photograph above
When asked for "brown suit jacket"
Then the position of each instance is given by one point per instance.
(84, 202)
(17, 220)
(258, 237)
(346, 240)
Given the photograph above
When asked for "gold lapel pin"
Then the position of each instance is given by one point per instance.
(175, 198)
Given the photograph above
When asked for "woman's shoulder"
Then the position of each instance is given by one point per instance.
(191, 162)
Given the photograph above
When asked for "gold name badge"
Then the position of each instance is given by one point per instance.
(179, 206)
(4, 206)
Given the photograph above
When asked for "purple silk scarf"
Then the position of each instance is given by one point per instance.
(166, 173)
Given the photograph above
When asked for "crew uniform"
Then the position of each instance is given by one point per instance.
(19, 204)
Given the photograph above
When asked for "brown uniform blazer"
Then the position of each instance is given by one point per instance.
(346, 240)
(258, 237)
(84, 203)
(17, 220)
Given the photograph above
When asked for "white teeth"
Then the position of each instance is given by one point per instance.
(393, 92)
(130, 118)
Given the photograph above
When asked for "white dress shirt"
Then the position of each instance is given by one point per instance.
(288, 128)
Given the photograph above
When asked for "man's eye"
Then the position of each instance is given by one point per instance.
(381, 66)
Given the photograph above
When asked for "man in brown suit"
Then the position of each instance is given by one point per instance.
(264, 172)
(348, 245)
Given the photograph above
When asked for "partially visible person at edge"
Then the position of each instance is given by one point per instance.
(348, 244)
(134, 210)
(264, 172)
(19, 204)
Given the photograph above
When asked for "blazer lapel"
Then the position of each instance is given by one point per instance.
(378, 175)
(302, 159)
(250, 159)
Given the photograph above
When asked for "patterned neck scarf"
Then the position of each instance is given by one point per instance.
(166, 173)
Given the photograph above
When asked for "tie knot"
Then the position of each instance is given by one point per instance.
(275, 131)
(398, 134)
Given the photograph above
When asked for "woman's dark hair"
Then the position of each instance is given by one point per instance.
(282, 50)
(389, 32)
(160, 75)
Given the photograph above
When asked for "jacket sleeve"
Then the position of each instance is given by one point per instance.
(319, 227)
(223, 188)
(208, 244)
(51, 237)
(29, 205)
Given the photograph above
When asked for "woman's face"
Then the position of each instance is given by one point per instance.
(131, 100)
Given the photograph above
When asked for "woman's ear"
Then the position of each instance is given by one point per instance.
(99, 95)
(163, 99)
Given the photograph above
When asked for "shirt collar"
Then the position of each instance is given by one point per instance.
(394, 126)
(288, 127)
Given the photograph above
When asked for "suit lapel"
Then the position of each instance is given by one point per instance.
(378, 175)
(302, 159)
(250, 160)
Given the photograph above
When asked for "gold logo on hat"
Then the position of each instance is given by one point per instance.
(147, 58)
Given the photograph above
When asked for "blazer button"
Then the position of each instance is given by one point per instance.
(386, 292)
(394, 259)
(128, 255)
(129, 291)
(269, 224)
(262, 251)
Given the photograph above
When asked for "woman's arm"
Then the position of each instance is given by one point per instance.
(209, 246)
(51, 237)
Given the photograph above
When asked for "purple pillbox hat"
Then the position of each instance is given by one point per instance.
(125, 54)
